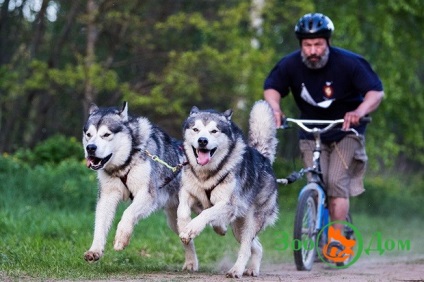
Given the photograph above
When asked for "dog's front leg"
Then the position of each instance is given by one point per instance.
(105, 212)
(184, 211)
(141, 207)
(217, 213)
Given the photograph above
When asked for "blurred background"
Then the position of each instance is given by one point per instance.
(165, 56)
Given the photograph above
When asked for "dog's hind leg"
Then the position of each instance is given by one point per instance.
(220, 229)
(191, 263)
(245, 232)
(255, 259)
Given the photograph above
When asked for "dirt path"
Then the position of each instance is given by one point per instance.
(405, 268)
(367, 269)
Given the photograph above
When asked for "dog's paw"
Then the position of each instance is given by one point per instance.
(234, 273)
(185, 238)
(120, 243)
(122, 239)
(92, 256)
(191, 265)
(220, 230)
(191, 231)
(251, 272)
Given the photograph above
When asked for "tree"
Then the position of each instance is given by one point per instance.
(165, 56)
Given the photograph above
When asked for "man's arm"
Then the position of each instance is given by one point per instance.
(371, 102)
(273, 97)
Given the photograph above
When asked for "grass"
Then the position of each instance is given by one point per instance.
(43, 243)
(47, 219)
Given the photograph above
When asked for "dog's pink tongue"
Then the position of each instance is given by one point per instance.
(203, 158)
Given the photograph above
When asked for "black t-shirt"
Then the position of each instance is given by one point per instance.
(326, 93)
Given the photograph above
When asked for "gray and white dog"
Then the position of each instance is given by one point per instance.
(120, 148)
(232, 179)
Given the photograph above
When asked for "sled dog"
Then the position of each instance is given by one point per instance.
(125, 150)
(232, 179)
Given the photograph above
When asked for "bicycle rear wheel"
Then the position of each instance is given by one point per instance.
(305, 230)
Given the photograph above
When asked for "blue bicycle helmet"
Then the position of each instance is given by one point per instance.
(314, 25)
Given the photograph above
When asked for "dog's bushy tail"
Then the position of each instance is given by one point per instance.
(263, 130)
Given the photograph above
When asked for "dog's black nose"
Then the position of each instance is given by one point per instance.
(203, 142)
(91, 148)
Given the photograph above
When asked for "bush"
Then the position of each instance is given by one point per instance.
(52, 151)
(399, 195)
(68, 185)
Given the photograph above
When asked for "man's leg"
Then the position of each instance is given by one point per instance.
(339, 208)
(339, 178)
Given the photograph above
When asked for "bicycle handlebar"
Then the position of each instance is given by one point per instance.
(317, 131)
(330, 124)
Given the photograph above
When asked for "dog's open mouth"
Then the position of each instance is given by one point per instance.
(203, 156)
(97, 163)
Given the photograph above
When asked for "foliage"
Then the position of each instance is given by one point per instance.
(53, 151)
(397, 194)
(68, 185)
(165, 56)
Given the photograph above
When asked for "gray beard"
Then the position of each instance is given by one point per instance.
(320, 63)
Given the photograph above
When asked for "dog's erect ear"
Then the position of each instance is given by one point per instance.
(228, 114)
(93, 107)
(194, 110)
(124, 111)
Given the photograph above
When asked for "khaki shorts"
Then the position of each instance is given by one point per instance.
(343, 164)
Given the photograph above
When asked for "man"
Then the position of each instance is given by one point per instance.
(328, 83)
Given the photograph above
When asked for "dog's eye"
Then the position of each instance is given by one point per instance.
(214, 131)
(88, 134)
(106, 135)
(195, 129)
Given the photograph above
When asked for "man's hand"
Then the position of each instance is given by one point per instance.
(351, 118)
(279, 116)
(371, 101)
(273, 98)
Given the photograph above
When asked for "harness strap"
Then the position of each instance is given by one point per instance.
(157, 159)
(124, 181)
(175, 169)
(209, 192)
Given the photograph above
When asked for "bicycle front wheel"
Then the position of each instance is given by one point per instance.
(305, 230)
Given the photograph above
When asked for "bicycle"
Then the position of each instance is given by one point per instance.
(312, 213)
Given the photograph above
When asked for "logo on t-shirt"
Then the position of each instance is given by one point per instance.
(328, 90)
(308, 98)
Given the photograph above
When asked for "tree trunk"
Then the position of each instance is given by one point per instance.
(92, 32)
